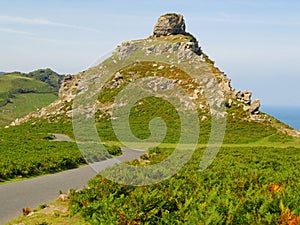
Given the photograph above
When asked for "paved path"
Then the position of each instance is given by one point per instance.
(33, 192)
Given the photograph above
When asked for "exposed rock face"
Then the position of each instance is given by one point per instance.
(169, 24)
(244, 96)
(68, 86)
(125, 49)
(193, 46)
(254, 107)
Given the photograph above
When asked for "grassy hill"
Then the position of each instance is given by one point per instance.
(47, 76)
(253, 180)
(24, 93)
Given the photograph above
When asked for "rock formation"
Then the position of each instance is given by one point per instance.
(169, 24)
(254, 107)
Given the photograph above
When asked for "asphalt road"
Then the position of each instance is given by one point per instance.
(33, 192)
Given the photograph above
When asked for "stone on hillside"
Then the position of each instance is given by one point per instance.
(244, 96)
(125, 50)
(230, 103)
(169, 24)
(63, 197)
(254, 107)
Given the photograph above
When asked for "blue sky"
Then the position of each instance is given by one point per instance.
(256, 43)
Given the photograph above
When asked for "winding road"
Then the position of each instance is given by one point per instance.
(33, 192)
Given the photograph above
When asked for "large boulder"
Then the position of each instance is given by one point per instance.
(169, 24)
(254, 107)
(243, 96)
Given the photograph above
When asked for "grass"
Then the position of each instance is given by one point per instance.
(22, 104)
(20, 95)
(14, 81)
(27, 150)
(57, 217)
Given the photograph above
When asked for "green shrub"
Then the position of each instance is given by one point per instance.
(235, 189)
(113, 150)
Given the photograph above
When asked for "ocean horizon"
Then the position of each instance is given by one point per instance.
(287, 114)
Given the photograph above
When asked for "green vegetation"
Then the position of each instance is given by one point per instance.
(16, 83)
(242, 186)
(113, 150)
(47, 76)
(21, 94)
(23, 104)
(28, 150)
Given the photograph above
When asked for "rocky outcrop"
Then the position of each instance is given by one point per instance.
(68, 87)
(249, 105)
(193, 46)
(125, 49)
(244, 97)
(254, 106)
(169, 24)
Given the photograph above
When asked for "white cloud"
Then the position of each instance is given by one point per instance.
(14, 31)
(42, 22)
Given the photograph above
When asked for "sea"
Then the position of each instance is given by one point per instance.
(287, 114)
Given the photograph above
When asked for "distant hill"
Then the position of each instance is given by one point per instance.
(22, 93)
(1, 73)
(47, 76)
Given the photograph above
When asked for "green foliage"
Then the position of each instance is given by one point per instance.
(47, 76)
(22, 104)
(18, 83)
(20, 95)
(27, 151)
(42, 206)
(43, 223)
(113, 150)
(279, 137)
(238, 130)
(150, 108)
(236, 189)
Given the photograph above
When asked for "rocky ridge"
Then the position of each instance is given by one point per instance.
(169, 37)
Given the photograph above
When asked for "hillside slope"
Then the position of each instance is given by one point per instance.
(47, 76)
(21, 93)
